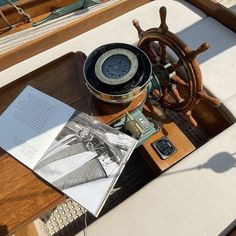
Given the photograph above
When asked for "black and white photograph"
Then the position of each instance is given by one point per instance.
(86, 157)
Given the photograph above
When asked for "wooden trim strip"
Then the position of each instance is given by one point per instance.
(33, 7)
(217, 11)
(67, 32)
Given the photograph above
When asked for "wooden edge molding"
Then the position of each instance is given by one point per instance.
(217, 11)
(33, 7)
(67, 32)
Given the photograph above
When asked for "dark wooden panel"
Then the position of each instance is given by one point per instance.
(62, 79)
(23, 196)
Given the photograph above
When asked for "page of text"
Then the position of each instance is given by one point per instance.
(31, 123)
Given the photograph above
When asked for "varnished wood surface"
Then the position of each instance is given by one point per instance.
(217, 11)
(33, 7)
(51, 78)
(23, 196)
(109, 112)
(178, 139)
(175, 135)
(28, 230)
(211, 119)
(67, 32)
(37, 10)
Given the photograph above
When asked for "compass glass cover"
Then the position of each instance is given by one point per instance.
(116, 66)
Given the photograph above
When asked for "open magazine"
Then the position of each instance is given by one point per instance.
(71, 150)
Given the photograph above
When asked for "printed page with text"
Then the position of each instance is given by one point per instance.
(79, 155)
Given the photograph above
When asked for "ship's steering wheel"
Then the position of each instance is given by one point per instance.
(176, 67)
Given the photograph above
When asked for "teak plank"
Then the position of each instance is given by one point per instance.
(23, 196)
(28, 230)
(178, 139)
(33, 7)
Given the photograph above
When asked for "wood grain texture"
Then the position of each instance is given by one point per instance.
(108, 112)
(28, 230)
(217, 11)
(23, 195)
(34, 8)
(67, 32)
(37, 10)
(65, 72)
(179, 140)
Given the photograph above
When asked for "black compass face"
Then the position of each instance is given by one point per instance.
(116, 66)
(116, 70)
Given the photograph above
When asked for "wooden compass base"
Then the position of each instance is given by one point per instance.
(110, 112)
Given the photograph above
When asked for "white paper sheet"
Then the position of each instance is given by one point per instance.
(31, 123)
(71, 150)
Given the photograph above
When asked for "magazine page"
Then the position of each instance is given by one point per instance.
(85, 160)
(30, 124)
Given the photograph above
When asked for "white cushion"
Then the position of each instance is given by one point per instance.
(122, 30)
(180, 16)
(219, 62)
(195, 197)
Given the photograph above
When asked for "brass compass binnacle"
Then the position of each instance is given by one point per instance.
(176, 67)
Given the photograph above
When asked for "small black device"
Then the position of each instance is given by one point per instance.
(164, 147)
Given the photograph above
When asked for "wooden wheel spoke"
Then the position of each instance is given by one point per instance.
(178, 71)
(179, 81)
(190, 118)
(176, 93)
(167, 97)
(212, 100)
(176, 65)
(194, 53)
(151, 52)
(163, 26)
(138, 27)
(164, 58)
(165, 94)
(156, 93)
